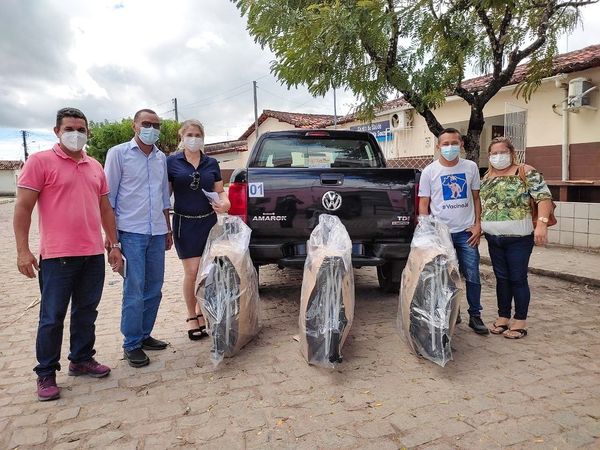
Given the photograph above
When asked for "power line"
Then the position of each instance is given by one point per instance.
(160, 104)
(215, 101)
(222, 92)
(210, 98)
(271, 93)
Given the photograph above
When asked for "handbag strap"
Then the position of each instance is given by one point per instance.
(522, 174)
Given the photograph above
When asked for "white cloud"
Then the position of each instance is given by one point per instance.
(205, 41)
(112, 57)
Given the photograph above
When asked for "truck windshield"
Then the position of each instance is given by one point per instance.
(316, 153)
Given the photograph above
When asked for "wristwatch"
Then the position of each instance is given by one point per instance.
(543, 219)
(117, 245)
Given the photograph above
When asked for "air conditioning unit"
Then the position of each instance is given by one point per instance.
(580, 90)
(398, 121)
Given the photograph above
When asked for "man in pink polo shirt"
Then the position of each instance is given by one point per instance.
(70, 190)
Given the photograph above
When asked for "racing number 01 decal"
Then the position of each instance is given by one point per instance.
(256, 190)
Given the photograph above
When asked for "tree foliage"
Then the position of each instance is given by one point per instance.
(105, 135)
(420, 49)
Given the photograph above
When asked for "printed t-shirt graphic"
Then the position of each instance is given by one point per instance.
(454, 186)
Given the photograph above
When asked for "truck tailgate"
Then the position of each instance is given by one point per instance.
(373, 203)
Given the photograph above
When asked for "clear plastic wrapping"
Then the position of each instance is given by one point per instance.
(430, 292)
(327, 299)
(227, 288)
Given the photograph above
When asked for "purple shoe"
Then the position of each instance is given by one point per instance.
(47, 388)
(91, 368)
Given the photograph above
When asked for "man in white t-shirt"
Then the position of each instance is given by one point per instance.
(449, 189)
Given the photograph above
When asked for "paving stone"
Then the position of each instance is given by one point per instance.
(122, 444)
(149, 427)
(140, 381)
(65, 414)
(105, 439)
(540, 427)
(8, 411)
(164, 440)
(191, 421)
(79, 428)
(453, 428)
(26, 436)
(475, 440)
(206, 433)
(67, 445)
(30, 420)
(225, 442)
(248, 420)
(374, 429)
(419, 436)
(578, 438)
(495, 393)
(508, 432)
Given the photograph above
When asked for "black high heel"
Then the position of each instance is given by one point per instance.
(196, 333)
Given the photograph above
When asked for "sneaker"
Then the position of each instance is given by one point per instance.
(91, 367)
(153, 344)
(47, 388)
(478, 326)
(136, 357)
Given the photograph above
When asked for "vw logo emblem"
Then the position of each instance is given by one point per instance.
(331, 201)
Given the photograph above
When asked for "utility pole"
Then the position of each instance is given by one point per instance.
(24, 134)
(175, 109)
(334, 110)
(255, 110)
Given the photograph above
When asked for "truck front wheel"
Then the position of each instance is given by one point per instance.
(389, 276)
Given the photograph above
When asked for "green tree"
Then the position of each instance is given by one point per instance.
(105, 135)
(420, 49)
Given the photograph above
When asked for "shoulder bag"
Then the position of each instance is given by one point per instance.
(534, 206)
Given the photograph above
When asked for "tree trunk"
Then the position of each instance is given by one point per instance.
(471, 140)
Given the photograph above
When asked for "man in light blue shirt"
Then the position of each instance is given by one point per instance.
(139, 194)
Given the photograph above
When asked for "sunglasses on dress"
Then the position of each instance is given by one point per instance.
(195, 184)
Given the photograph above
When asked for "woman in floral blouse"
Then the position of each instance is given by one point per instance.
(509, 231)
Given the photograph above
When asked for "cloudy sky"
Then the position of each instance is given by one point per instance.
(112, 57)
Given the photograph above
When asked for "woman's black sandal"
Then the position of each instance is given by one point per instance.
(197, 333)
(502, 328)
(522, 333)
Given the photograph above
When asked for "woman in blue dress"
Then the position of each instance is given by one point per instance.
(190, 171)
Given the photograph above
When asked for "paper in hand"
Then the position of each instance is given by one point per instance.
(123, 270)
(212, 197)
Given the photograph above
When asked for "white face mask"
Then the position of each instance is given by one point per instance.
(73, 140)
(450, 152)
(149, 135)
(193, 144)
(500, 161)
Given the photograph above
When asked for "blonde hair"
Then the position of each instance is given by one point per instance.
(184, 126)
(190, 123)
(507, 142)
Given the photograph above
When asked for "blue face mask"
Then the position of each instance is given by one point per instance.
(450, 152)
(149, 135)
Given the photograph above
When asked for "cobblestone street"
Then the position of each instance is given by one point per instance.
(541, 392)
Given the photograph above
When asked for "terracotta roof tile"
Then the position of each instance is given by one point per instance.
(299, 120)
(226, 147)
(11, 165)
(585, 58)
(574, 61)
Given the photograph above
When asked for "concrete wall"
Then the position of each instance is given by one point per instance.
(271, 124)
(8, 182)
(543, 130)
(231, 160)
(578, 225)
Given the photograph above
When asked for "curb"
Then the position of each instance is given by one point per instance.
(554, 274)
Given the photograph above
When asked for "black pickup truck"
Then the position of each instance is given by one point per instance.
(294, 176)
